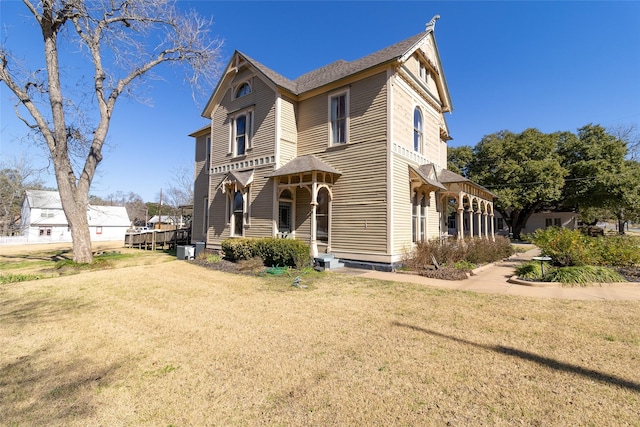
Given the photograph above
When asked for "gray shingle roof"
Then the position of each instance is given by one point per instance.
(306, 163)
(339, 69)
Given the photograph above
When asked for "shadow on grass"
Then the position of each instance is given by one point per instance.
(532, 357)
(37, 389)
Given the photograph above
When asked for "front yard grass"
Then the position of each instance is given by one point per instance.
(174, 343)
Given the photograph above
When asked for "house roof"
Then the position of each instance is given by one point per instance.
(332, 72)
(447, 177)
(306, 163)
(338, 69)
(43, 199)
(105, 216)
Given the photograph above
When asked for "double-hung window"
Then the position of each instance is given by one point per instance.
(339, 118)
(241, 133)
(417, 130)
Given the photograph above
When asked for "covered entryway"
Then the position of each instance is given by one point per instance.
(317, 178)
(473, 206)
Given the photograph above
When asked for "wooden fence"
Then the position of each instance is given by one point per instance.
(154, 239)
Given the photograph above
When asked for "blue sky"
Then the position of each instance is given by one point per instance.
(509, 65)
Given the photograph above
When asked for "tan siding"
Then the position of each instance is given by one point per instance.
(218, 227)
(288, 131)
(367, 116)
(359, 208)
(303, 212)
(433, 218)
(262, 100)
(401, 206)
(200, 190)
(261, 205)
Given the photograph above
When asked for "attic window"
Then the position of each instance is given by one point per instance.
(243, 90)
(424, 73)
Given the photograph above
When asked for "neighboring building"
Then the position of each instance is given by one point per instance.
(43, 219)
(350, 157)
(540, 220)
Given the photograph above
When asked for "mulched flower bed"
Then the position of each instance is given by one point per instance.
(632, 274)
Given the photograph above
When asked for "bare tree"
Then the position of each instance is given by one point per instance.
(16, 177)
(630, 134)
(180, 189)
(122, 41)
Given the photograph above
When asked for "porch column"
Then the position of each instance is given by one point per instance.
(471, 222)
(314, 221)
(479, 217)
(493, 235)
(460, 223)
(486, 229)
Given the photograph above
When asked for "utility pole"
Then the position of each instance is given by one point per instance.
(160, 211)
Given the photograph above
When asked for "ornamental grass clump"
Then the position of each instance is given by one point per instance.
(583, 275)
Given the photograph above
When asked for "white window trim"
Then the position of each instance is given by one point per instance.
(421, 143)
(237, 87)
(246, 212)
(248, 144)
(332, 95)
(208, 155)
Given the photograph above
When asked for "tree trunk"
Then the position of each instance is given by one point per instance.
(621, 224)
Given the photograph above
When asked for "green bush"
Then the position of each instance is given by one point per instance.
(274, 252)
(566, 247)
(239, 248)
(283, 252)
(572, 248)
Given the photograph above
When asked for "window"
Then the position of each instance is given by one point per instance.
(44, 231)
(322, 216)
(98, 230)
(414, 218)
(208, 164)
(417, 130)
(284, 212)
(47, 213)
(552, 222)
(338, 110)
(241, 130)
(418, 218)
(237, 214)
(205, 223)
(243, 90)
(423, 219)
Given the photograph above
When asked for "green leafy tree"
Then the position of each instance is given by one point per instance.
(523, 170)
(458, 159)
(117, 44)
(600, 177)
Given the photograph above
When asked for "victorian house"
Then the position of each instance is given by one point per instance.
(350, 157)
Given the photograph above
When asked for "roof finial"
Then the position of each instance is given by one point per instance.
(432, 24)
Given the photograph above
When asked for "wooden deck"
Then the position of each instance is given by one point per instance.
(154, 239)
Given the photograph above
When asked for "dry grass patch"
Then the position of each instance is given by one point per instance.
(179, 344)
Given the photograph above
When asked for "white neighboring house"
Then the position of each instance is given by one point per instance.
(43, 219)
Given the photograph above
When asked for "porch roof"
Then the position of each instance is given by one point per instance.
(423, 173)
(306, 163)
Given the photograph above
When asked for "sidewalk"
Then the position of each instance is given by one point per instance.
(494, 278)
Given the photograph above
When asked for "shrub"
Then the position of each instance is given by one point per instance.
(450, 252)
(238, 248)
(283, 252)
(571, 247)
(566, 247)
(274, 252)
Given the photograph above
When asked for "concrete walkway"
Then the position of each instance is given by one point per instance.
(494, 278)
